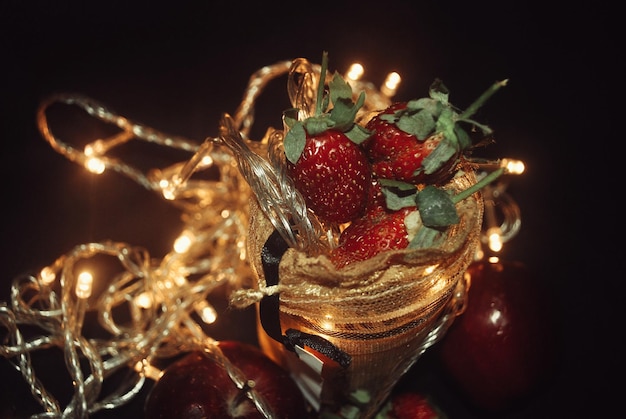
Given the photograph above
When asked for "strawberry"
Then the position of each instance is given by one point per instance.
(397, 154)
(324, 158)
(333, 175)
(422, 140)
(412, 405)
(377, 231)
(408, 218)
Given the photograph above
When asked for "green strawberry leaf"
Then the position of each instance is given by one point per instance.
(398, 184)
(357, 134)
(344, 109)
(343, 112)
(294, 142)
(444, 151)
(462, 137)
(420, 124)
(425, 237)
(396, 198)
(436, 207)
(290, 117)
(318, 124)
(439, 91)
(398, 194)
(339, 89)
(430, 105)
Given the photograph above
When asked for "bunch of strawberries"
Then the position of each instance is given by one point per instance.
(382, 181)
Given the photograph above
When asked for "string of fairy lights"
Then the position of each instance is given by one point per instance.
(166, 299)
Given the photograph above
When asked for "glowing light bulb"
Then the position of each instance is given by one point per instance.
(207, 312)
(183, 242)
(494, 259)
(430, 269)
(494, 238)
(328, 323)
(95, 165)
(95, 149)
(355, 72)
(207, 161)
(169, 188)
(390, 86)
(144, 300)
(513, 167)
(84, 285)
(149, 370)
(47, 275)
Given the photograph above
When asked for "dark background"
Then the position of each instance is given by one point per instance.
(177, 68)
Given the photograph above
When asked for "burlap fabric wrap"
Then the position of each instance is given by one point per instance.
(379, 311)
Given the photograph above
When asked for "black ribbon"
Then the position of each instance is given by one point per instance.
(272, 252)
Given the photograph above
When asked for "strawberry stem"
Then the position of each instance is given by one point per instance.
(478, 185)
(320, 85)
(471, 110)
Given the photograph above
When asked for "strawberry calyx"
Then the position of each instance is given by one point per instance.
(434, 116)
(436, 206)
(341, 116)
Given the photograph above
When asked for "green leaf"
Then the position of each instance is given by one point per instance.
(432, 106)
(344, 111)
(462, 137)
(444, 151)
(317, 125)
(343, 114)
(339, 89)
(398, 184)
(357, 134)
(425, 237)
(396, 199)
(420, 124)
(290, 116)
(436, 207)
(439, 91)
(398, 194)
(294, 142)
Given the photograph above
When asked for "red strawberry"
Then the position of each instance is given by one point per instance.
(412, 405)
(378, 231)
(333, 175)
(421, 141)
(397, 154)
(327, 165)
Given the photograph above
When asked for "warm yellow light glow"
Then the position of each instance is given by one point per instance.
(206, 161)
(225, 213)
(144, 300)
(327, 322)
(429, 269)
(95, 165)
(97, 148)
(390, 86)
(169, 188)
(207, 312)
(494, 259)
(513, 167)
(494, 317)
(183, 242)
(241, 246)
(355, 72)
(494, 237)
(148, 370)
(84, 284)
(47, 275)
